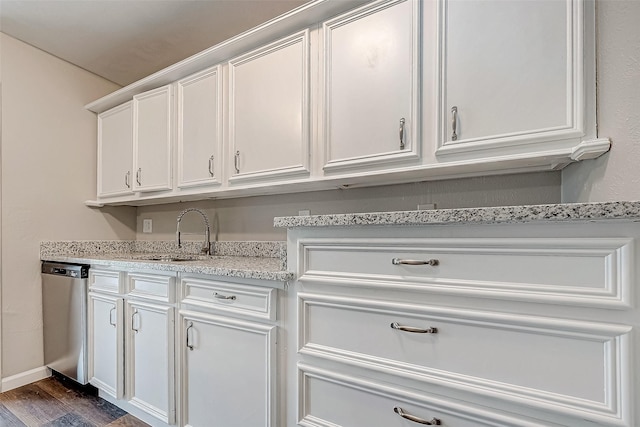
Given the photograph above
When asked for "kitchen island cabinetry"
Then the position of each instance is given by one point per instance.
(436, 321)
(371, 87)
(228, 358)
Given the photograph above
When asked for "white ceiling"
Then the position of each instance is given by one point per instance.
(125, 40)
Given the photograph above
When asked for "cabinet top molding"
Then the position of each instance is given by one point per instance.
(629, 211)
(297, 19)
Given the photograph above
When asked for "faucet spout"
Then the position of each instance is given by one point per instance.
(206, 249)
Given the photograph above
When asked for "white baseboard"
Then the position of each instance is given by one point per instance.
(24, 378)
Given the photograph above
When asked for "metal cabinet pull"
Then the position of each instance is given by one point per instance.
(112, 323)
(431, 262)
(236, 161)
(133, 316)
(433, 422)
(189, 345)
(139, 176)
(402, 133)
(127, 176)
(414, 330)
(211, 166)
(454, 123)
(224, 297)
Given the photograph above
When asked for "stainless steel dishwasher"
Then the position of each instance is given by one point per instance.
(64, 313)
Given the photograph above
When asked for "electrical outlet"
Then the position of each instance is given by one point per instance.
(304, 212)
(426, 207)
(147, 226)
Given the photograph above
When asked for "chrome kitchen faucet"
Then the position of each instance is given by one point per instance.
(206, 249)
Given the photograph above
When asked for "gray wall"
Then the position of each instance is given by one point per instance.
(615, 175)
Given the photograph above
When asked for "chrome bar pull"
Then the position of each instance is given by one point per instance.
(431, 262)
(127, 176)
(139, 176)
(112, 322)
(402, 121)
(224, 297)
(236, 161)
(397, 326)
(189, 344)
(454, 123)
(133, 322)
(433, 422)
(211, 166)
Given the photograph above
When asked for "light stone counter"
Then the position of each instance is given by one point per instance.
(247, 260)
(491, 215)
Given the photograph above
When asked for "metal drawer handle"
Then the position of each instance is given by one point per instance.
(211, 166)
(236, 161)
(112, 323)
(431, 262)
(402, 133)
(454, 123)
(396, 325)
(139, 176)
(133, 322)
(189, 345)
(224, 297)
(127, 176)
(434, 421)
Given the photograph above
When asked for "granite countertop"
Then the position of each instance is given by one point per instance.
(490, 215)
(247, 260)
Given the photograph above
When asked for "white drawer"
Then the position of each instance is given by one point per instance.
(105, 281)
(573, 367)
(245, 300)
(330, 399)
(572, 271)
(153, 286)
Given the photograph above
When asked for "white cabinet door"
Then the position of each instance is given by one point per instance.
(115, 151)
(371, 89)
(106, 364)
(228, 372)
(512, 74)
(269, 111)
(150, 359)
(152, 117)
(200, 129)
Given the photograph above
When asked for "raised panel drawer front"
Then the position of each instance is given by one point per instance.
(371, 87)
(105, 281)
(571, 271)
(153, 286)
(335, 400)
(574, 368)
(227, 297)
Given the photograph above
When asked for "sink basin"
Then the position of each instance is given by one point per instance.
(167, 257)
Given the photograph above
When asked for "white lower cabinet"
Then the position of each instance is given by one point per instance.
(501, 325)
(228, 350)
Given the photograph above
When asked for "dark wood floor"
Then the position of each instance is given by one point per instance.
(56, 403)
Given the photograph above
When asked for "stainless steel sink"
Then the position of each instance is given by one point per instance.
(166, 257)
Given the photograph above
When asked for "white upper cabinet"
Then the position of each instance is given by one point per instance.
(512, 76)
(115, 151)
(200, 129)
(371, 87)
(269, 111)
(152, 121)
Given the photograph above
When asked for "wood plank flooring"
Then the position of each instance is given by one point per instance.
(54, 402)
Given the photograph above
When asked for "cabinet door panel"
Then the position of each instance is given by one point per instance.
(150, 358)
(115, 151)
(200, 129)
(229, 373)
(511, 71)
(106, 344)
(269, 111)
(152, 140)
(371, 85)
